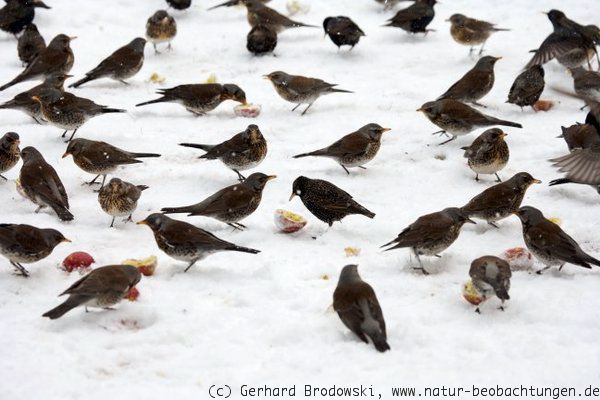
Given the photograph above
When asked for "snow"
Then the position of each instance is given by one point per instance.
(265, 319)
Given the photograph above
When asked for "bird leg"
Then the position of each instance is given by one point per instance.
(112, 224)
(361, 167)
(477, 310)
(306, 109)
(420, 267)
(64, 134)
(543, 269)
(241, 177)
(123, 82)
(128, 219)
(169, 47)
(497, 177)
(478, 104)
(346, 169)
(102, 184)
(297, 105)
(240, 225)
(561, 267)
(72, 135)
(447, 141)
(37, 210)
(190, 266)
(476, 177)
(3, 177)
(235, 227)
(36, 120)
(442, 132)
(481, 49)
(492, 223)
(92, 182)
(155, 49)
(20, 268)
(501, 308)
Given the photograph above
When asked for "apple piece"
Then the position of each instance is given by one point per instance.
(156, 78)
(519, 258)
(247, 110)
(543, 105)
(79, 260)
(352, 251)
(472, 295)
(289, 222)
(147, 265)
(133, 294)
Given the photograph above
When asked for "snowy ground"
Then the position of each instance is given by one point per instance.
(242, 319)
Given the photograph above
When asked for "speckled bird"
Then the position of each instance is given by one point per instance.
(488, 154)
(120, 199)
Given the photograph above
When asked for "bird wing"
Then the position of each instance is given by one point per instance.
(415, 11)
(46, 183)
(554, 46)
(491, 198)
(581, 165)
(352, 144)
(228, 199)
(100, 281)
(182, 234)
(334, 198)
(237, 144)
(456, 110)
(477, 25)
(194, 92)
(121, 58)
(302, 85)
(555, 242)
(428, 228)
(103, 153)
(21, 237)
(470, 83)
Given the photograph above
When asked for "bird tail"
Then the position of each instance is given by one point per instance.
(303, 25)
(82, 81)
(234, 247)
(380, 342)
(389, 243)
(159, 100)
(69, 304)
(560, 181)
(145, 155)
(8, 105)
(363, 211)
(335, 90)
(315, 153)
(205, 147)
(11, 83)
(106, 110)
(226, 4)
(504, 122)
(500, 30)
(177, 210)
(63, 213)
(501, 292)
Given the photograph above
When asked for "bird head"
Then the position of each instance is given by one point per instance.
(74, 147)
(349, 274)
(57, 81)
(253, 134)
(37, 4)
(53, 237)
(299, 186)
(30, 153)
(10, 140)
(138, 44)
(493, 135)
(458, 216)
(430, 108)
(523, 180)
(234, 92)
(278, 78)
(133, 274)
(155, 221)
(487, 62)
(257, 181)
(117, 186)
(374, 131)
(457, 19)
(61, 41)
(529, 215)
(160, 17)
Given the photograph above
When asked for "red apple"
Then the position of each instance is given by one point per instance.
(518, 258)
(77, 261)
(288, 222)
(472, 295)
(147, 266)
(133, 294)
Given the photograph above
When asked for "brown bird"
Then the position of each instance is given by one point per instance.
(527, 87)
(389, 4)
(30, 44)
(586, 83)
(103, 287)
(231, 204)
(185, 242)
(160, 28)
(457, 119)
(356, 304)
(471, 32)
(580, 136)
(41, 184)
(9, 152)
(57, 58)
(101, 158)
(199, 98)
(244, 151)
(261, 39)
(415, 18)
(354, 149)
(119, 198)
(488, 154)
(259, 14)
(231, 3)
(501, 200)
(124, 63)
(549, 243)
(581, 166)
(475, 84)
(491, 276)
(18, 14)
(25, 244)
(342, 31)
(431, 234)
(300, 89)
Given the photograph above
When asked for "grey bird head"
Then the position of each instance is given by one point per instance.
(31, 28)
(138, 44)
(252, 134)
(53, 238)
(430, 108)
(234, 92)
(349, 274)
(61, 42)
(487, 62)
(556, 17)
(116, 186)
(257, 181)
(492, 135)
(9, 140)
(155, 221)
(529, 215)
(30, 153)
(160, 17)
(278, 77)
(523, 180)
(57, 81)
(75, 147)
(373, 131)
(459, 216)
(133, 274)
(457, 19)
(299, 186)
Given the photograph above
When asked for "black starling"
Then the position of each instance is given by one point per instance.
(415, 18)
(471, 32)
(103, 288)
(18, 14)
(179, 4)
(354, 149)
(300, 89)
(342, 31)
(488, 154)
(119, 198)
(527, 87)
(501, 200)
(356, 304)
(431, 234)
(244, 151)
(326, 201)
(259, 14)
(261, 39)
(41, 184)
(549, 243)
(30, 44)
(160, 28)
(185, 242)
(491, 276)
(25, 244)
(120, 65)
(457, 119)
(231, 204)
(474, 84)
(9, 152)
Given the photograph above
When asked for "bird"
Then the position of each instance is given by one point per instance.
(471, 32)
(160, 28)
(41, 184)
(353, 150)
(231, 3)
(581, 165)
(185, 242)
(30, 44)
(261, 39)
(103, 287)
(119, 198)
(527, 87)
(501, 200)
(57, 58)
(122, 64)
(342, 31)
(9, 152)
(300, 89)
(389, 4)
(200, 98)
(586, 83)
(26, 244)
(326, 201)
(51, 89)
(431, 234)
(245, 150)
(231, 204)
(491, 276)
(101, 158)
(179, 4)
(549, 243)
(415, 18)
(580, 136)
(488, 154)
(356, 304)
(70, 112)
(260, 14)
(475, 84)
(16, 15)
(458, 119)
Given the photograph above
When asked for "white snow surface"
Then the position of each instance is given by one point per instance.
(265, 319)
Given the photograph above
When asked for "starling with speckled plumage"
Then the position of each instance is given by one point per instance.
(199, 98)
(260, 14)
(354, 149)
(103, 287)
(475, 84)
(231, 204)
(185, 242)
(415, 18)
(300, 89)
(471, 32)
(342, 31)
(488, 154)
(9, 152)
(244, 151)
(549, 243)
(101, 158)
(120, 65)
(30, 44)
(458, 119)
(179, 4)
(356, 304)
(161, 28)
(527, 87)
(26, 244)
(41, 184)
(18, 14)
(326, 201)
(491, 276)
(501, 200)
(120, 199)
(431, 234)
(261, 39)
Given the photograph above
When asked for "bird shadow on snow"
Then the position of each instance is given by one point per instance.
(123, 318)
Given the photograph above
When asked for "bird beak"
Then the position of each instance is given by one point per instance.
(386, 129)
(292, 196)
(65, 240)
(72, 37)
(503, 135)
(420, 109)
(266, 77)
(447, 20)
(271, 177)
(66, 155)
(498, 58)
(545, 13)
(143, 222)
(537, 181)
